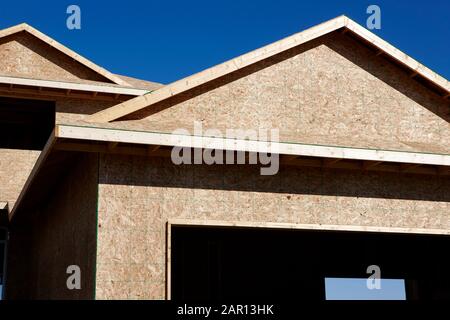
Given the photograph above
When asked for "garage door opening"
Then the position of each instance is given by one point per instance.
(215, 264)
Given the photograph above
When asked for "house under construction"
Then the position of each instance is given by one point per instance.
(87, 177)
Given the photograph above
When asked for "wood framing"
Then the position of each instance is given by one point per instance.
(58, 46)
(37, 166)
(69, 86)
(252, 57)
(294, 149)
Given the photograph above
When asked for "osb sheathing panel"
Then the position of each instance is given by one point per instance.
(69, 110)
(138, 195)
(63, 233)
(23, 55)
(15, 166)
(330, 91)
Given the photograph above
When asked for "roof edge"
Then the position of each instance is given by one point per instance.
(195, 80)
(220, 143)
(89, 134)
(65, 50)
(65, 85)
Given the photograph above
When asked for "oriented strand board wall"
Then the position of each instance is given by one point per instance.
(138, 195)
(330, 91)
(69, 110)
(23, 55)
(15, 166)
(63, 233)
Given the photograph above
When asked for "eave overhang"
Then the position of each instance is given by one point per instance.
(67, 139)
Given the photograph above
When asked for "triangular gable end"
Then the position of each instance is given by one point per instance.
(340, 23)
(27, 52)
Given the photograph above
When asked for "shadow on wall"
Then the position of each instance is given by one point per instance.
(141, 171)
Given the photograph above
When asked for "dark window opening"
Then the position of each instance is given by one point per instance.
(276, 265)
(3, 239)
(25, 124)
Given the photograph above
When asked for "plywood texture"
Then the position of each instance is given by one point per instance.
(63, 233)
(331, 91)
(69, 110)
(23, 55)
(138, 195)
(15, 166)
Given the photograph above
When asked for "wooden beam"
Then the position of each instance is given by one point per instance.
(35, 93)
(330, 162)
(104, 148)
(293, 149)
(290, 158)
(404, 167)
(293, 226)
(154, 148)
(37, 83)
(367, 165)
(112, 145)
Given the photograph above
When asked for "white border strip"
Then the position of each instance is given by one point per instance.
(298, 149)
(72, 86)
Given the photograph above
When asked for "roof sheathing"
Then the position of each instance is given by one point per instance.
(23, 27)
(342, 22)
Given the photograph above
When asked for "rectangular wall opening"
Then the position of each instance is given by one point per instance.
(25, 124)
(235, 263)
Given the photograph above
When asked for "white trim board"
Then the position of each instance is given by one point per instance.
(72, 86)
(296, 149)
(283, 225)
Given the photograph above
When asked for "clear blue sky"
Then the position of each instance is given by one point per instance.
(166, 40)
(356, 289)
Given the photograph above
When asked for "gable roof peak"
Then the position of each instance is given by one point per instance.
(339, 23)
(63, 49)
